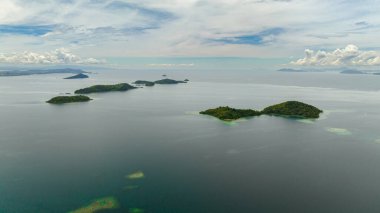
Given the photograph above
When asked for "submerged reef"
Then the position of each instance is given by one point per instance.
(136, 175)
(98, 205)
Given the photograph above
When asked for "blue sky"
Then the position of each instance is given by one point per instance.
(152, 28)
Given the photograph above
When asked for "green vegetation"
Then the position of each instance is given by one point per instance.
(293, 109)
(290, 109)
(105, 88)
(98, 205)
(68, 99)
(228, 113)
(146, 83)
(78, 76)
(168, 81)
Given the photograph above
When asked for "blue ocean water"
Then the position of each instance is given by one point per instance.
(61, 158)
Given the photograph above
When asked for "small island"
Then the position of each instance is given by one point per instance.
(146, 83)
(352, 71)
(78, 76)
(105, 88)
(68, 99)
(168, 81)
(292, 109)
(227, 113)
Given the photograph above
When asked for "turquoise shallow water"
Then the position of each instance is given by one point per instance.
(60, 158)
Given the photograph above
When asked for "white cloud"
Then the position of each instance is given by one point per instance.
(349, 56)
(58, 56)
(184, 27)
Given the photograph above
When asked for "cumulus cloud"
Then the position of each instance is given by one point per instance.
(349, 56)
(58, 56)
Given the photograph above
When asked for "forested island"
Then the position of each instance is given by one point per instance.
(68, 99)
(78, 76)
(169, 81)
(146, 83)
(228, 113)
(293, 109)
(105, 88)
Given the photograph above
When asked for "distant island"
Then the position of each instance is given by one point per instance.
(78, 76)
(146, 83)
(105, 88)
(162, 81)
(290, 70)
(289, 109)
(68, 99)
(352, 71)
(39, 72)
(169, 81)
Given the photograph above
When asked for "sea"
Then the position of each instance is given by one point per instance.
(64, 158)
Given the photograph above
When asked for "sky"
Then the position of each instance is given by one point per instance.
(308, 32)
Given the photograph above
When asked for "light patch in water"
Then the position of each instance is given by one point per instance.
(98, 205)
(306, 121)
(192, 113)
(136, 175)
(377, 141)
(339, 131)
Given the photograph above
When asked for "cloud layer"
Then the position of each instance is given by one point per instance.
(249, 28)
(59, 56)
(349, 56)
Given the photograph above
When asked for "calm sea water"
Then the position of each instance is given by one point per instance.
(60, 158)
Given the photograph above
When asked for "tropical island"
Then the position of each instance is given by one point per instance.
(146, 83)
(105, 88)
(40, 72)
(78, 76)
(169, 81)
(68, 99)
(294, 109)
(227, 113)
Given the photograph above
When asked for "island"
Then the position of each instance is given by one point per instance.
(168, 81)
(352, 71)
(105, 88)
(78, 76)
(68, 99)
(186, 80)
(146, 83)
(40, 72)
(227, 113)
(290, 70)
(294, 109)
